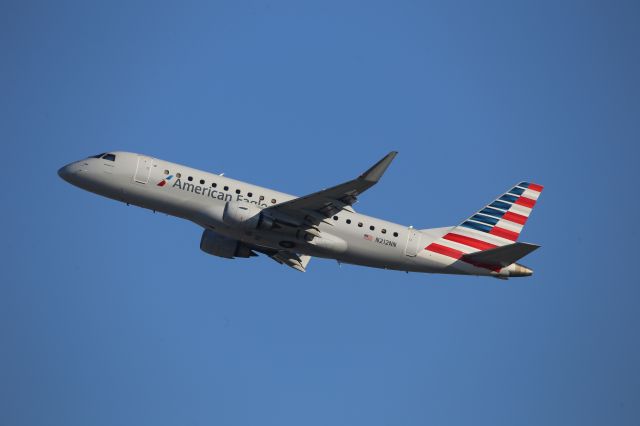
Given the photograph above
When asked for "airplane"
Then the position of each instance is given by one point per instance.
(240, 219)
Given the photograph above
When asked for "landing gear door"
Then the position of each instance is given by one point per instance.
(143, 170)
(413, 243)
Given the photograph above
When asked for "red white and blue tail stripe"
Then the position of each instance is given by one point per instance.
(496, 225)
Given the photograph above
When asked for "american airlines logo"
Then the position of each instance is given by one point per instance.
(164, 181)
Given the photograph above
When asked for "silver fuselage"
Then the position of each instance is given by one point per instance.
(201, 197)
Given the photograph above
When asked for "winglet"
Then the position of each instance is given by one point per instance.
(375, 173)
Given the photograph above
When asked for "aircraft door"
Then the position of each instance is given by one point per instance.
(413, 243)
(143, 169)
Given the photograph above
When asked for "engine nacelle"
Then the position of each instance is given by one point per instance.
(245, 216)
(219, 245)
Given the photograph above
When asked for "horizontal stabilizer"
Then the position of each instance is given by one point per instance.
(501, 256)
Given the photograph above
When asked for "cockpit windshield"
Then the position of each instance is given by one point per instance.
(105, 156)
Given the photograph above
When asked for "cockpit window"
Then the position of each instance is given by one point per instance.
(98, 156)
(109, 157)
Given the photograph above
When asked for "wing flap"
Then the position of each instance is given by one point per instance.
(296, 261)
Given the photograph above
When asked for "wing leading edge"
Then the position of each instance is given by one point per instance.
(323, 204)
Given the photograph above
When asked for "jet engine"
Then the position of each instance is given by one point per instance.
(219, 245)
(246, 216)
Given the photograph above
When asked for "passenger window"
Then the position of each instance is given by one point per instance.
(109, 157)
(359, 224)
(372, 227)
(166, 172)
(178, 175)
(237, 191)
(213, 184)
(190, 178)
(335, 218)
(348, 220)
(261, 197)
(226, 188)
(249, 194)
(201, 181)
(273, 201)
(384, 231)
(395, 234)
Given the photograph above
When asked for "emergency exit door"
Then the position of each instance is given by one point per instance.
(413, 243)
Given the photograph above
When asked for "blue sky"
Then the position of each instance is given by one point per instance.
(111, 314)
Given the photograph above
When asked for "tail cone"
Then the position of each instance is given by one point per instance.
(517, 270)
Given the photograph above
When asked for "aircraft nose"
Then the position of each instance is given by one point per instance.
(70, 172)
(65, 172)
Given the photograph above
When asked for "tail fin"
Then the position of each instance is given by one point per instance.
(505, 217)
(497, 224)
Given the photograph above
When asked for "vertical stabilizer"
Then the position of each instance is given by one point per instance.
(495, 225)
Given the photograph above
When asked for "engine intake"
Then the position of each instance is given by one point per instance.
(245, 216)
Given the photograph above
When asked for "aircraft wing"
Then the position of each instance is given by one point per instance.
(323, 204)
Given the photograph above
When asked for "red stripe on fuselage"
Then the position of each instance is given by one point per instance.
(504, 233)
(447, 251)
(468, 241)
(457, 254)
